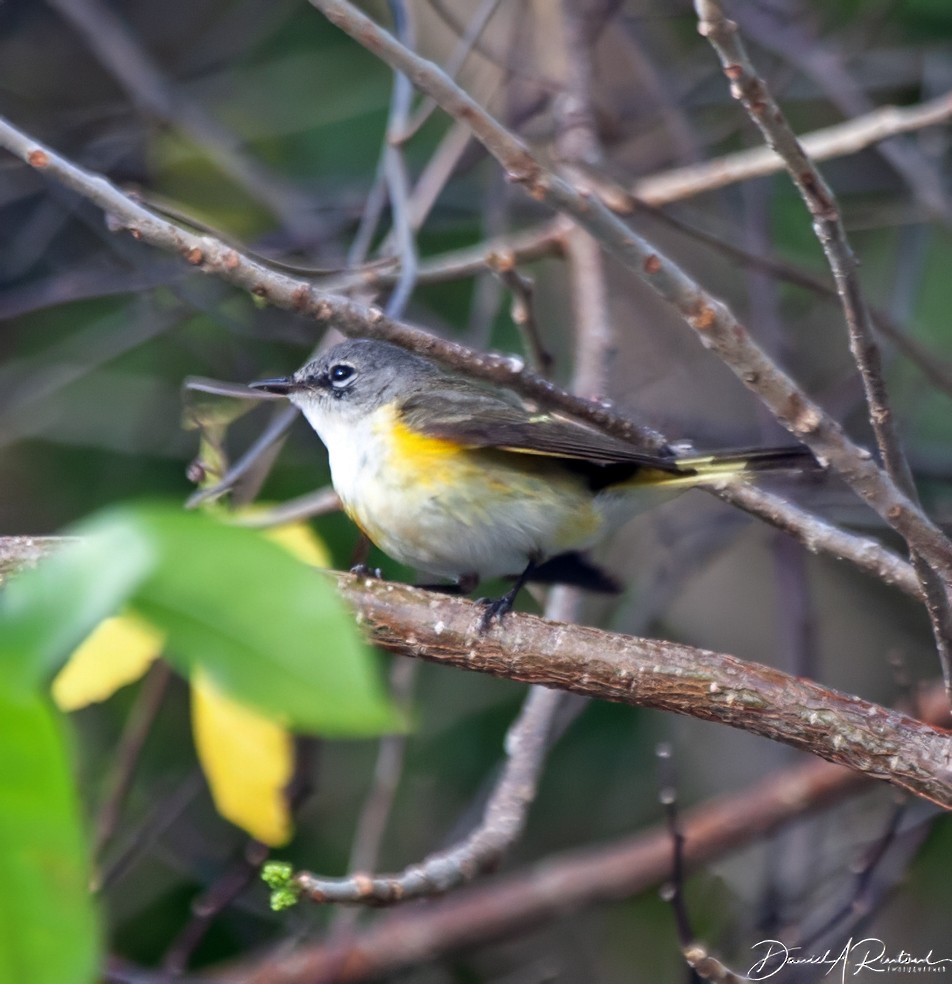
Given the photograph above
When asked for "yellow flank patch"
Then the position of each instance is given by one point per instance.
(420, 458)
(413, 446)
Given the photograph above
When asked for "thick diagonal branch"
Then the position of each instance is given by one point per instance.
(669, 676)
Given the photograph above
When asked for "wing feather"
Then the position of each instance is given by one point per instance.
(481, 419)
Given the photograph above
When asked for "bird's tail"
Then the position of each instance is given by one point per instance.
(719, 466)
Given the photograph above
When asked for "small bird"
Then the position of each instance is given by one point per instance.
(459, 478)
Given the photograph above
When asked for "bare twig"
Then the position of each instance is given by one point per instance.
(526, 745)
(821, 202)
(122, 55)
(210, 904)
(522, 247)
(828, 224)
(679, 184)
(268, 439)
(668, 798)
(307, 506)
(501, 824)
(395, 173)
(509, 63)
(833, 141)
(241, 871)
(373, 818)
(350, 317)
(795, 42)
(577, 146)
(860, 903)
(141, 718)
(469, 38)
(930, 363)
(378, 803)
(522, 310)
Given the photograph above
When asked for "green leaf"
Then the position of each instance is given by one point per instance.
(268, 629)
(48, 931)
(46, 612)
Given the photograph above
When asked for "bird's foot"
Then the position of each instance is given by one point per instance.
(495, 609)
(363, 570)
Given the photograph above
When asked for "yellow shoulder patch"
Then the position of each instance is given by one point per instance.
(410, 446)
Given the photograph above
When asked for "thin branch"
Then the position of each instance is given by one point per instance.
(506, 62)
(665, 675)
(578, 147)
(797, 44)
(680, 184)
(929, 362)
(455, 62)
(668, 800)
(278, 427)
(861, 901)
(714, 323)
(523, 247)
(513, 904)
(208, 906)
(110, 40)
(378, 803)
(395, 173)
(526, 744)
(128, 750)
(820, 201)
(317, 503)
(503, 820)
(373, 818)
(522, 310)
(834, 141)
(241, 871)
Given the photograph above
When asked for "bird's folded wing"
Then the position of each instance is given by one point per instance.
(479, 421)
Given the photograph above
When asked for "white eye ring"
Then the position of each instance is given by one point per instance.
(341, 375)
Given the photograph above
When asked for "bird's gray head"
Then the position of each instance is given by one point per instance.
(353, 379)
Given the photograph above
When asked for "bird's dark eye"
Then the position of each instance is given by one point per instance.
(341, 375)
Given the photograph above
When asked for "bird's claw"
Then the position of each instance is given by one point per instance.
(363, 570)
(494, 610)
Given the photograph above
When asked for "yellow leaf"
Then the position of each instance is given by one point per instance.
(300, 540)
(247, 759)
(119, 651)
(297, 538)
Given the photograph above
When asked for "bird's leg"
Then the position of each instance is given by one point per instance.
(363, 570)
(497, 609)
(358, 559)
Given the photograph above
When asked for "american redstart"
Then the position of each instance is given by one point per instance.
(460, 479)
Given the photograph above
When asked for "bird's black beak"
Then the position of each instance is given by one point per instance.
(281, 387)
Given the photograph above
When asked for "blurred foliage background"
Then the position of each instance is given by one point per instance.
(266, 123)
